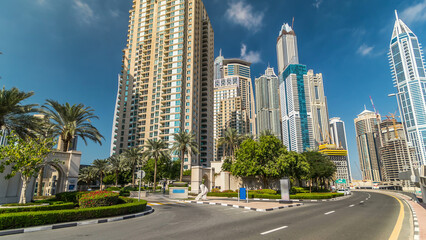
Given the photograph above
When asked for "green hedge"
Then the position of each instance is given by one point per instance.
(98, 199)
(316, 195)
(21, 204)
(69, 196)
(69, 205)
(28, 219)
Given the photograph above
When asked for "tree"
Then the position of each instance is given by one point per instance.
(320, 167)
(25, 156)
(15, 116)
(230, 141)
(295, 166)
(117, 164)
(156, 149)
(184, 143)
(71, 122)
(86, 175)
(100, 168)
(259, 159)
(267, 132)
(133, 158)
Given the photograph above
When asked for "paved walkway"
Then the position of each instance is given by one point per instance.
(420, 211)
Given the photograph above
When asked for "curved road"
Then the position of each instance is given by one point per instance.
(365, 215)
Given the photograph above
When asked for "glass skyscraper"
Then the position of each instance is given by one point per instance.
(407, 62)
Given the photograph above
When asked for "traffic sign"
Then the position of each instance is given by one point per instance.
(140, 174)
(341, 181)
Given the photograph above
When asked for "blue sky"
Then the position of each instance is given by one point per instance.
(70, 50)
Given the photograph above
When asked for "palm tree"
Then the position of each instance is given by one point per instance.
(230, 141)
(156, 149)
(100, 167)
(184, 143)
(267, 132)
(117, 164)
(15, 116)
(72, 121)
(133, 157)
(86, 175)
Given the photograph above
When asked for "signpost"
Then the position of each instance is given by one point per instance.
(140, 174)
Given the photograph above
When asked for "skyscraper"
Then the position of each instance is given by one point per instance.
(233, 100)
(395, 155)
(368, 142)
(296, 115)
(268, 103)
(407, 62)
(338, 137)
(165, 86)
(319, 109)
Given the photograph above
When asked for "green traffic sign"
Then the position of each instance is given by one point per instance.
(341, 181)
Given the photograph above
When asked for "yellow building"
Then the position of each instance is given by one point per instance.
(166, 83)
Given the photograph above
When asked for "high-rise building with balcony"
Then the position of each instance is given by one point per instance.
(368, 142)
(233, 100)
(268, 103)
(319, 108)
(166, 86)
(409, 78)
(296, 118)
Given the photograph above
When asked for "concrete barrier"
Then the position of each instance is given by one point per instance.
(144, 194)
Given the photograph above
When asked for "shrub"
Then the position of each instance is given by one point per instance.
(172, 185)
(315, 195)
(69, 196)
(295, 190)
(69, 205)
(264, 191)
(27, 219)
(21, 204)
(98, 199)
(215, 190)
(228, 191)
(113, 189)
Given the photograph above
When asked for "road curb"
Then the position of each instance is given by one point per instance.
(74, 224)
(248, 208)
(416, 229)
(299, 200)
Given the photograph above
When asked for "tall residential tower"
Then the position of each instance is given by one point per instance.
(407, 62)
(165, 86)
(268, 103)
(297, 132)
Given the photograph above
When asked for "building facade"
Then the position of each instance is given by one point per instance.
(368, 142)
(338, 138)
(233, 100)
(395, 155)
(166, 82)
(268, 103)
(407, 64)
(339, 157)
(319, 109)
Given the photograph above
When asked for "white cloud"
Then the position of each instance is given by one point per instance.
(365, 50)
(84, 12)
(250, 56)
(114, 13)
(414, 13)
(317, 3)
(240, 12)
(41, 2)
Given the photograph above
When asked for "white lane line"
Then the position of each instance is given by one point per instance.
(329, 212)
(366, 199)
(351, 205)
(361, 201)
(273, 230)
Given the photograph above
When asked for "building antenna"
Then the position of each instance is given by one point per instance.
(396, 14)
(220, 52)
(292, 23)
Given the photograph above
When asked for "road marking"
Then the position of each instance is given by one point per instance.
(329, 212)
(366, 199)
(361, 201)
(398, 226)
(351, 205)
(273, 230)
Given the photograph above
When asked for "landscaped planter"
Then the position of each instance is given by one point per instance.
(178, 192)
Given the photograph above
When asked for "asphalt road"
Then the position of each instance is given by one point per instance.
(365, 215)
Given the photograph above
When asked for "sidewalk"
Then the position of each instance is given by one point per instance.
(419, 215)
